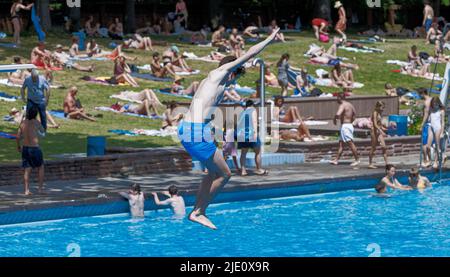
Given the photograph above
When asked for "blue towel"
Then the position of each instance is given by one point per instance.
(7, 96)
(123, 132)
(58, 114)
(7, 136)
(243, 90)
(166, 91)
(150, 77)
(37, 25)
(8, 45)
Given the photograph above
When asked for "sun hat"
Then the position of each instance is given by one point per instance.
(337, 4)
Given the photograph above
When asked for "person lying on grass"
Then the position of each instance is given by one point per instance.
(18, 77)
(72, 106)
(138, 42)
(18, 117)
(139, 109)
(173, 56)
(342, 78)
(61, 59)
(178, 88)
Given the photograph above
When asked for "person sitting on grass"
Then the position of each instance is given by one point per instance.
(270, 78)
(175, 201)
(251, 32)
(61, 59)
(342, 78)
(136, 200)
(118, 51)
(115, 29)
(74, 49)
(161, 71)
(417, 181)
(93, 49)
(139, 97)
(389, 181)
(414, 59)
(273, 26)
(72, 106)
(28, 144)
(90, 30)
(171, 119)
(218, 39)
(122, 72)
(304, 86)
(41, 57)
(173, 56)
(178, 89)
(237, 43)
(377, 134)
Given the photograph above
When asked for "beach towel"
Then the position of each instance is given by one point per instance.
(244, 90)
(89, 59)
(166, 91)
(58, 114)
(7, 136)
(5, 82)
(7, 97)
(169, 131)
(307, 123)
(101, 81)
(8, 45)
(428, 77)
(123, 133)
(329, 83)
(8, 118)
(361, 50)
(397, 62)
(150, 77)
(108, 109)
(37, 24)
(192, 56)
(149, 68)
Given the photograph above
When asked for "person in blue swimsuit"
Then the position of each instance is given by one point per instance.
(195, 130)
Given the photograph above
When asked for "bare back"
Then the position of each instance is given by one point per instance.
(348, 112)
(28, 131)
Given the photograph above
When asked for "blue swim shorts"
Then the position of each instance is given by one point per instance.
(197, 139)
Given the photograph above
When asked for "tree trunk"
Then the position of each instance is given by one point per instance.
(437, 7)
(130, 17)
(43, 9)
(322, 9)
(75, 17)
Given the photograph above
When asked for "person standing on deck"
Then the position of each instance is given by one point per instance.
(347, 114)
(423, 92)
(341, 25)
(428, 15)
(195, 131)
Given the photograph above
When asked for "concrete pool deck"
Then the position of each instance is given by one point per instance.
(105, 190)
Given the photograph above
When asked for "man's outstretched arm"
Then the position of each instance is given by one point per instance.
(252, 52)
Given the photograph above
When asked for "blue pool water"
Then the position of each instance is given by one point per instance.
(351, 223)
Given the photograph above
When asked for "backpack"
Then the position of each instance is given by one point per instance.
(424, 55)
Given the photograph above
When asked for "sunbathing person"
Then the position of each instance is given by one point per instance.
(299, 134)
(93, 49)
(139, 97)
(20, 115)
(61, 59)
(218, 39)
(118, 52)
(292, 115)
(171, 119)
(161, 71)
(270, 78)
(439, 55)
(41, 57)
(411, 70)
(393, 92)
(273, 26)
(139, 42)
(115, 29)
(433, 35)
(414, 58)
(72, 106)
(18, 77)
(139, 109)
(333, 62)
(304, 86)
(122, 72)
(74, 50)
(173, 56)
(237, 43)
(230, 94)
(178, 89)
(342, 78)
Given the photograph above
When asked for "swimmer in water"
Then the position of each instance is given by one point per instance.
(417, 181)
(389, 181)
(175, 201)
(136, 200)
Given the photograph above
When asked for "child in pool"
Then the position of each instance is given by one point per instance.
(136, 200)
(390, 181)
(175, 201)
(417, 181)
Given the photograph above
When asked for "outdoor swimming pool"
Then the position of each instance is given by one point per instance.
(350, 223)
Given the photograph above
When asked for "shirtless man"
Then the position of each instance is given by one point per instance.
(71, 109)
(136, 200)
(90, 30)
(237, 43)
(341, 25)
(41, 57)
(217, 38)
(347, 114)
(423, 92)
(63, 59)
(428, 15)
(196, 123)
(115, 30)
(161, 71)
(175, 201)
(28, 144)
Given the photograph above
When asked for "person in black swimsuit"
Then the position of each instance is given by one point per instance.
(16, 8)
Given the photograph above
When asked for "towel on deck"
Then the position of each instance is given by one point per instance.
(7, 97)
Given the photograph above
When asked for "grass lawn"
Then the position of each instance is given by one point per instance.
(71, 137)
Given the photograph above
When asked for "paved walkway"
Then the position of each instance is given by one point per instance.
(94, 190)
